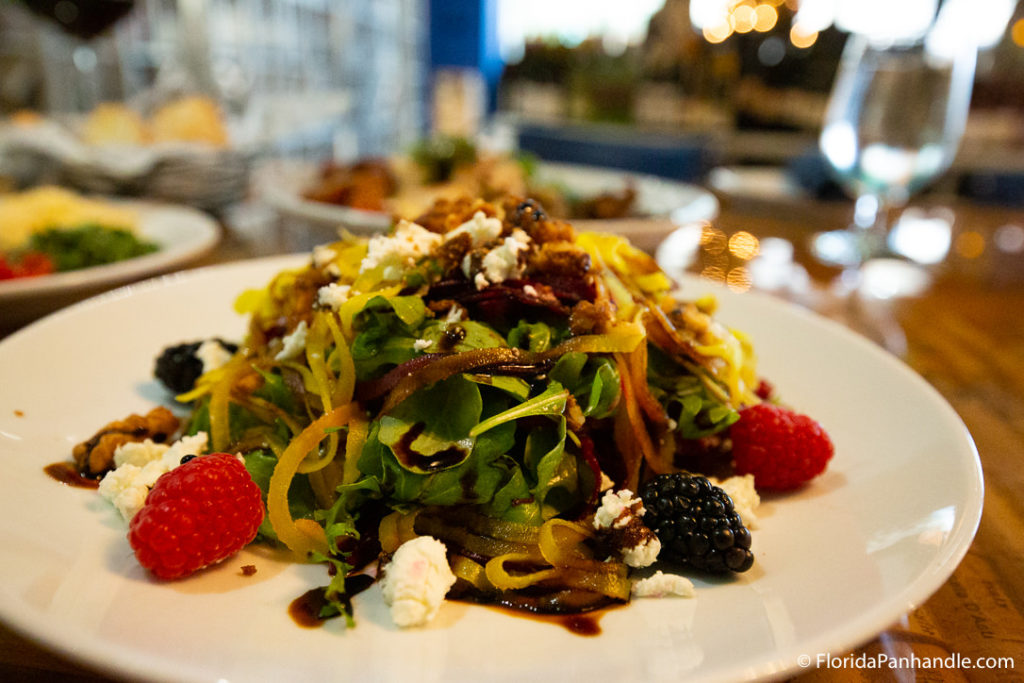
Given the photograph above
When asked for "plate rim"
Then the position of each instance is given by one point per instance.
(841, 637)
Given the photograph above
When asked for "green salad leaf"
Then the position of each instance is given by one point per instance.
(686, 398)
(593, 381)
(387, 336)
(474, 335)
(432, 429)
(550, 402)
(553, 470)
(83, 246)
(474, 480)
(536, 336)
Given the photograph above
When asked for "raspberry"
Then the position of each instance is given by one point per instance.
(199, 513)
(781, 448)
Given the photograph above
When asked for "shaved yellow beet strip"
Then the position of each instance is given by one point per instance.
(299, 535)
(220, 396)
(358, 427)
(346, 384)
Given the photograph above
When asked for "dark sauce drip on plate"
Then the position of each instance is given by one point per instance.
(581, 624)
(305, 609)
(67, 473)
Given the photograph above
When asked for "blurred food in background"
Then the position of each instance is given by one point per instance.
(192, 118)
(180, 151)
(448, 168)
(50, 229)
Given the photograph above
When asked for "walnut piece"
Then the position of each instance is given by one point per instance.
(96, 455)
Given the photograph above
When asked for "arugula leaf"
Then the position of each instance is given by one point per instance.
(514, 502)
(275, 390)
(410, 310)
(593, 381)
(477, 335)
(336, 597)
(549, 402)
(686, 399)
(533, 336)
(555, 471)
(387, 333)
(431, 429)
(516, 387)
(475, 480)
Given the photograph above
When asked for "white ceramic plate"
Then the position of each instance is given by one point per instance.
(181, 233)
(664, 204)
(836, 563)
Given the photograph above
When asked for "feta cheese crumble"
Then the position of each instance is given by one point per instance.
(744, 497)
(421, 344)
(332, 296)
(502, 262)
(619, 521)
(643, 554)
(139, 465)
(454, 314)
(212, 354)
(481, 229)
(323, 255)
(294, 342)
(416, 581)
(661, 585)
(617, 509)
(399, 252)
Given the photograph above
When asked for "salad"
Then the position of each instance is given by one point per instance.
(448, 168)
(50, 229)
(486, 404)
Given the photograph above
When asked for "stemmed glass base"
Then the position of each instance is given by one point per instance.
(865, 239)
(848, 248)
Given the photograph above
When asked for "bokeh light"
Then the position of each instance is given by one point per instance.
(717, 33)
(765, 18)
(713, 240)
(970, 244)
(743, 245)
(1009, 238)
(714, 273)
(738, 279)
(742, 18)
(802, 38)
(1017, 33)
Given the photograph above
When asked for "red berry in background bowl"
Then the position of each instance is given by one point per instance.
(198, 514)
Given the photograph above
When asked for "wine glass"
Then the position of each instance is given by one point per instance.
(893, 124)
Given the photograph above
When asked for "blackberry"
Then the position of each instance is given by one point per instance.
(696, 523)
(178, 367)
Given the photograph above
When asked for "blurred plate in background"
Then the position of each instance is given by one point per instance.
(181, 233)
(661, 205)
(281, 183)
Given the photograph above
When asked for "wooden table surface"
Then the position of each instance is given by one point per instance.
(964, 335)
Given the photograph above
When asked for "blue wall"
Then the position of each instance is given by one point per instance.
(464, 33)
